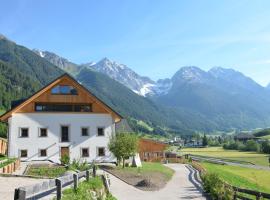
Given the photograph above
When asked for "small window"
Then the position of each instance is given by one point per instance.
(64, 134)
(85, 132)
(85, 152)
(24, 132)
(43, 132)
(64, 89)
(101, 151)
(43, 152)
(100, 132)
(23, 153)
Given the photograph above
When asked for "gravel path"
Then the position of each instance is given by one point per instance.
(183, 185)
(8, 185)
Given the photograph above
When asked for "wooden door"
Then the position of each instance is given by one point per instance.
(64, 151)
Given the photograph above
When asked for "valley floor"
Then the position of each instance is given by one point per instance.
(219, 152)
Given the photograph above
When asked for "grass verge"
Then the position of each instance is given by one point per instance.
(87, 191)
(8, 161)
(219, 152)
(46, 171)
(150, 177)
(241, 177)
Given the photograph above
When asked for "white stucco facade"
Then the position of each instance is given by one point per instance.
(52, 143)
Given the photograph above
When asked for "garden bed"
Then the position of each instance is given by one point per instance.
(49, 171)
(9, 165)
(150, 177)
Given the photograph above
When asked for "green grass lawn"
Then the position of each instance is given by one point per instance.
(253, 157)
(45, 171)
(266, 137)
(8, 161)
(3, 157)
(84, 191)
(248, 178)
(152, 167)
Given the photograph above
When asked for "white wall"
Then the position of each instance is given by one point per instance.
(53, 122)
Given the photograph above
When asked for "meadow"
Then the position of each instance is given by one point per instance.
(241, 177)
(219, 152)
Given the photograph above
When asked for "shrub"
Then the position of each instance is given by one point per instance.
(65, 159)
(265, 147)
(216, 187)
(78, 165)
(251, 145)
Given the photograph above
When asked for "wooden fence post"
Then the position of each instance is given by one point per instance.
(75, 180)
(87, 175)
(258, 196)
(21, 194)
(58, 189)
(94, 171)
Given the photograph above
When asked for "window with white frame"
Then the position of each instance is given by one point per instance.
(43, 152)
(100, 131)
(23, 153)
(85, 152)
(85, 131)
(43, 132)
(101, 151)
(24, 132)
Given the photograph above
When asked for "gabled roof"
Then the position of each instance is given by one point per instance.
(6, 115)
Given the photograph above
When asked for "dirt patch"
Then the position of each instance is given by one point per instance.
(147, 181)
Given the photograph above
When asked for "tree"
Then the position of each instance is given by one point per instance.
(266, 147)
(123, 145)
(205, 141)
(251, 145)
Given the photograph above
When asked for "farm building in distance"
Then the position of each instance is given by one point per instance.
(151, 150)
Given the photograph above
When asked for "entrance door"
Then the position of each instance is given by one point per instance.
(64, 151)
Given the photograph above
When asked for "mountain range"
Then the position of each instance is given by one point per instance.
(191, 100)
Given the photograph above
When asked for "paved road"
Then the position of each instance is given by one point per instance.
(183, 185)
(8, 185)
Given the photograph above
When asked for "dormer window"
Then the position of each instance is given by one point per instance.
(64, 90)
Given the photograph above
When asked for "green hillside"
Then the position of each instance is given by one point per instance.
(23, 60)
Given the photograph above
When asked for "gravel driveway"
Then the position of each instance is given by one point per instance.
(183, 185)
(8, 185)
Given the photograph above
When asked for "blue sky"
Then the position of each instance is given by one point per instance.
(154, 38)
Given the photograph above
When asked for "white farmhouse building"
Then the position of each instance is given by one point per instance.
(63, 118)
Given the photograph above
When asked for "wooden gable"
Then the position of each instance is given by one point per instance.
(45, 96)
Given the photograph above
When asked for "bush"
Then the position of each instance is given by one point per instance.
(251, 145)
(216, 187)
(65, 159)
(78, 165)
(265, 147)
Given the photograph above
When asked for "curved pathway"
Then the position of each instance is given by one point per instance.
(185, 184)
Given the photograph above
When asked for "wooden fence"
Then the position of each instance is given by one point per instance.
(10, 168)
(239, 193)
(3, 146)
(45, 188)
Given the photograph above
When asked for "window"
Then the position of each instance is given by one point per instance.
(43, 152)
(101, 151)
(64, 133)
(50, 107)
(64, 90)
(23, 153)
(100, 131)
(85, 152)
(43, 132)
(85, 132)
(24, 132)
